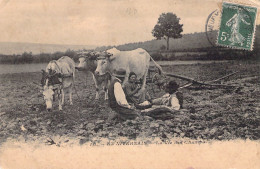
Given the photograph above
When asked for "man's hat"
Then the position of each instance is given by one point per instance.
(119, 73)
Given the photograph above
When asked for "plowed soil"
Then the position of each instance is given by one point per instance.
(208, 114)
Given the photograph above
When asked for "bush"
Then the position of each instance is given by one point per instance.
(26, 58)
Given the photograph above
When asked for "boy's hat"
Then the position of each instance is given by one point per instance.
(172, 85)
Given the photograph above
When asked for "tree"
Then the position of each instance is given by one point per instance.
(167, 27)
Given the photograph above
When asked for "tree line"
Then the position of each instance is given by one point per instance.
(213, 53)
(29, 57)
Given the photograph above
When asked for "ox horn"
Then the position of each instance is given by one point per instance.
(110, 56)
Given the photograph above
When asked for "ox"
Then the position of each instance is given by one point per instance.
(88, 63)
(137, 61)
(58, 76)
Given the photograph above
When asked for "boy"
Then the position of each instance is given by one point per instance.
(171, 101)
(132, 91)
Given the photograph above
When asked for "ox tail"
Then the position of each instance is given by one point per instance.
(73, 76)
(158, 66)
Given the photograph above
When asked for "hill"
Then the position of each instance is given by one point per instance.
(9, 48)
(187, 42)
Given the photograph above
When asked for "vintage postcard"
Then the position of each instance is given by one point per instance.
(129, 84)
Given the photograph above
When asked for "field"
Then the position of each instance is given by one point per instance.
(208, 114)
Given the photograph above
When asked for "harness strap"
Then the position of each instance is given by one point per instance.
(58, 90)
(57, 65)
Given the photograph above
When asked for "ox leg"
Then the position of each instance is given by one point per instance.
(70, 91)
(60, 101)
(62, 97)
(86, 80)
(60, 105)
(105, 88)
(106, 93)
(144, 80)
(97, 89)
(126, 78)
(97, 94)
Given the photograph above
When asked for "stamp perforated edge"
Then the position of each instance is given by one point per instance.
(253, 37)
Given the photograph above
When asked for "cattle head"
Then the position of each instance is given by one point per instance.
(48, 95)
(87, 61)
(103, 63)
(49, 79)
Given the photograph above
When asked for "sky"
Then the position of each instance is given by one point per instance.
(95, 22)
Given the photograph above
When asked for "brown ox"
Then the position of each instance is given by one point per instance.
(88, 63)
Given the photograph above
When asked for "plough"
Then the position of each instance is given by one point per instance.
(160, 80)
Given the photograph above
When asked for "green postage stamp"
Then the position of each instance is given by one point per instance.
(237, 26)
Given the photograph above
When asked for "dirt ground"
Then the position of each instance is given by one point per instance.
(208, 114)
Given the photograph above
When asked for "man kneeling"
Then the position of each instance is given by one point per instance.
(117, 98)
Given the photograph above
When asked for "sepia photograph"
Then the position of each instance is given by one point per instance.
(130, 84)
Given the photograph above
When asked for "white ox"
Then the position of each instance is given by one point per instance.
(88, 63)
(59, 76)
(137, 61)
